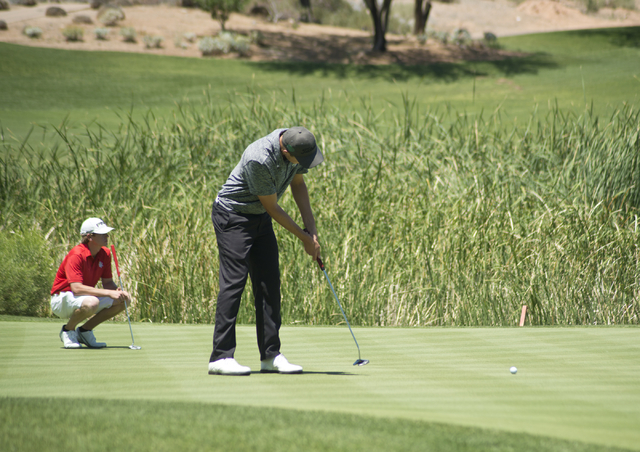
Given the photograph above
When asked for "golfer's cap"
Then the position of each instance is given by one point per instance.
(94, 226)
(301, 144)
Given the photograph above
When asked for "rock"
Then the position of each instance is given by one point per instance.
(55, 11)
(27, 2)
(188, 3)
(97, 4)
(4, 5)
(82, 19)
(3, 25)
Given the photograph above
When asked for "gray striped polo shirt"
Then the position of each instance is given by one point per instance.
(262, 171)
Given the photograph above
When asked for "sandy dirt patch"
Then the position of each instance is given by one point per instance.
(505, 18)
(285, 41)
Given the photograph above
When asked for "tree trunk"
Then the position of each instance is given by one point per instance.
(308, 15)
(421, 16)
(380, 19)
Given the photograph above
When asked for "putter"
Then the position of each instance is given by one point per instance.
(360, 361)
(133, 345)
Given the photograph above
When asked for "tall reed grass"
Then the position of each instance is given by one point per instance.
(425, 217)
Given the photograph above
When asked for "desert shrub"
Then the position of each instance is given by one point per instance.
(183, 40)
(225, 42)
(72, 33)
(27, 270)
(32, 32)
(593, 6)
(110, 16)
(400, 25)
(256, 37)
(490, 37)
(128, 34)
(461, 36)
(241, 44)
(213, 46)
(178, 42)
(440, 36)
(152, 42)
(491, 41)
(101, 34)
(341, 13)
(4, 5)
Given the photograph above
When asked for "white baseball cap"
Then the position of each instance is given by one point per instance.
(94, 226)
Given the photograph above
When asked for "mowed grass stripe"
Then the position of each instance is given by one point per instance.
(145, 425)
(576, 384)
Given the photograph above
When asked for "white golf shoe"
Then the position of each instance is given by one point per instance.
(88, 339)
(69, 339)
(280, 365)
(228, 366)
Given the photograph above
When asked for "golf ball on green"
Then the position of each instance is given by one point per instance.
(513, 370)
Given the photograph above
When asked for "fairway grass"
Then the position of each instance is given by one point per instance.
(40, 87)
(449, 388)
(178, 426)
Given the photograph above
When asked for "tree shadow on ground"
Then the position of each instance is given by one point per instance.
(350, 56)
(438, 71)
(620, 37)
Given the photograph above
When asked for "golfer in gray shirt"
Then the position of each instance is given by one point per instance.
(247, 246)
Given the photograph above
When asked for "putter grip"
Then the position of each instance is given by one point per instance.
(115, 259)
(318, 259)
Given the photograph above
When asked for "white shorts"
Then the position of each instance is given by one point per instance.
(65, 303)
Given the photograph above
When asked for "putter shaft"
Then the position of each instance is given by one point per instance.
(133, 345)
(360, 361)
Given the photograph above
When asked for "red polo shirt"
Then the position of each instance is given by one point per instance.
(79, 266)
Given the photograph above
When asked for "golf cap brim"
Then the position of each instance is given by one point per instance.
(94, 226)
(301, 144)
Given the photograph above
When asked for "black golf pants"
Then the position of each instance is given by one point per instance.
(247, 246)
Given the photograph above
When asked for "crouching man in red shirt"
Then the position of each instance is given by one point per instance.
(74, 295)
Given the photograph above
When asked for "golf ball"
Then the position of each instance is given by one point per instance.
(513, 370)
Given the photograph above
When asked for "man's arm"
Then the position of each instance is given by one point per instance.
(301, 197)
(270, 203)
(110, 290)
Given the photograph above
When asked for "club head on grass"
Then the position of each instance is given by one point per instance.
(135, 347)
(361, 362)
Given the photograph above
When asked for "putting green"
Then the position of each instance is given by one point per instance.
(579, 384)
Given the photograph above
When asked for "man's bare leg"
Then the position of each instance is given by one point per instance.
(104, 315)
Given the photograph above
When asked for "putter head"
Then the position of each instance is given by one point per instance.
(361, 362)
(137, 347)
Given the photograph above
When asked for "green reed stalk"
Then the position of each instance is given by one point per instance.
(425, 217)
